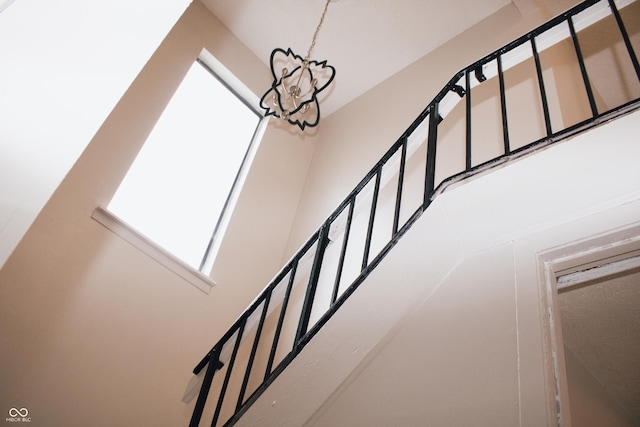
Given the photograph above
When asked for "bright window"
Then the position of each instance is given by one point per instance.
(179, 186)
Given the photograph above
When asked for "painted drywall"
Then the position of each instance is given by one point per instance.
(590, 404)
(604, 45)
(472, 350)
(522, 91)
(526, 125)
(65, 64)
(88, 321)
(353, 139)
(82, 310)
(601, 347)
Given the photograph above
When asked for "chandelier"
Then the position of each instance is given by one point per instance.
(297, 81)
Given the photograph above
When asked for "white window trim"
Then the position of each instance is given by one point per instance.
(198, 278)
(253, 101)
(153, 250)
(225, 217)
(5, 4)
(565, 266)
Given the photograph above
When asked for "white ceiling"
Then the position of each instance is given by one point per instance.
(365, 40)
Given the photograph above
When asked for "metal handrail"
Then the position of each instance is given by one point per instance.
(310, 262)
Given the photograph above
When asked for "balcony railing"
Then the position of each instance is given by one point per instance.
(487, 115)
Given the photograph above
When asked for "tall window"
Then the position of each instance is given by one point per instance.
(181, 184)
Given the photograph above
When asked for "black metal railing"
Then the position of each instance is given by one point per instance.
(514, 85)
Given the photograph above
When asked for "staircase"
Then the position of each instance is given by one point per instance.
(474, 125)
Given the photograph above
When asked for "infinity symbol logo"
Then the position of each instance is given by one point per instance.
(22, 412)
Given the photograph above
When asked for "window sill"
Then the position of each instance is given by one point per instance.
(151, 249)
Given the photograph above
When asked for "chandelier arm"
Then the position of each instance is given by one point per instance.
(284, 82)
(305, 66)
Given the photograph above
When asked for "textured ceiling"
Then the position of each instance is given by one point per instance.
(601, 326)
(365, 40)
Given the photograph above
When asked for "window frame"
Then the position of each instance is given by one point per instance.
(199, 277)
(252, 101)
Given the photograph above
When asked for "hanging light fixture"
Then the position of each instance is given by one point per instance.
(296, 83)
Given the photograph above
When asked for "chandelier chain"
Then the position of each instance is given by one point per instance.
(315, 35)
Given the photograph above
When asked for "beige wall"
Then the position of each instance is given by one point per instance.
(93, 331)
(590, 404)
(340, 161)
(63, 70)
(91, 320)
(354, 138)
(452, 328)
